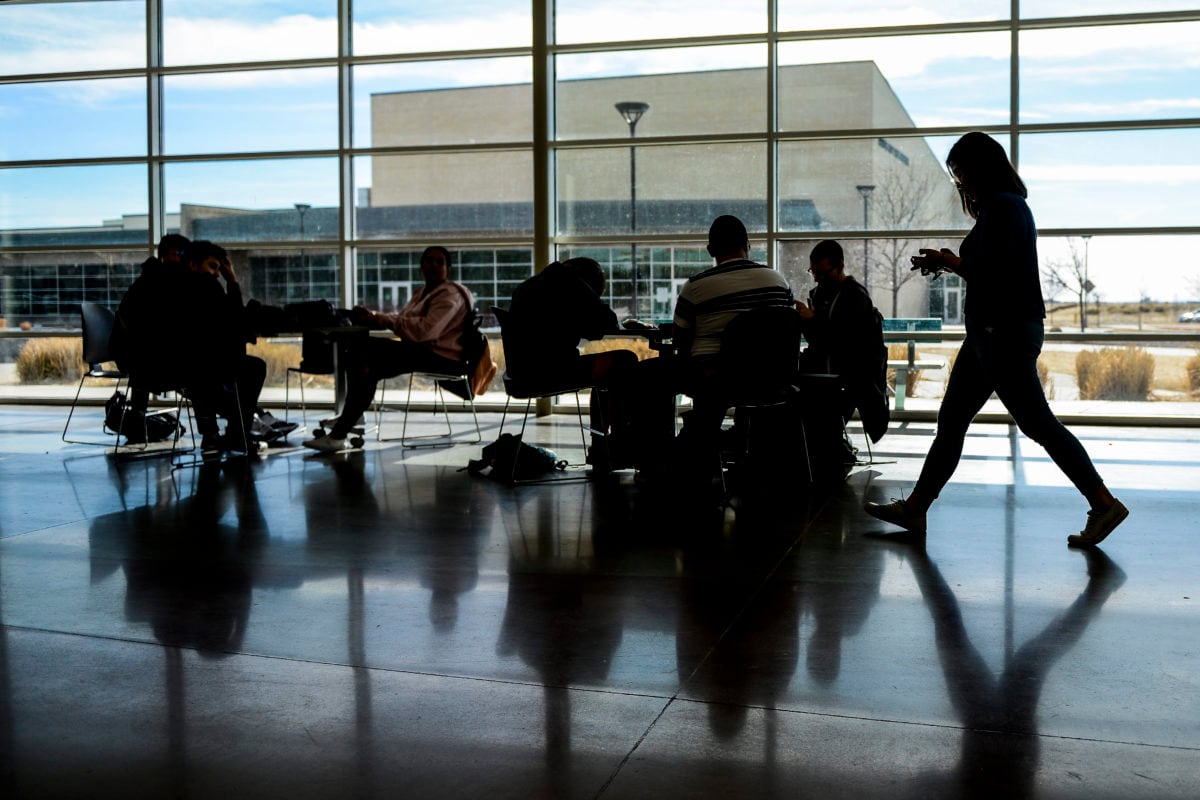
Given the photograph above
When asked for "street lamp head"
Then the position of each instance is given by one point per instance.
(302, 207)
(631, 111)
(865, 189)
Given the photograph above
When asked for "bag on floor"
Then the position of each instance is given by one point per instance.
(137, 426)
(499, 457)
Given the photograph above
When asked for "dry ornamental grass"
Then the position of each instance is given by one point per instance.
(1114, 373)
(52, 360)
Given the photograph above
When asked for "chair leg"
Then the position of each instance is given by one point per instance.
(287, 406)
(71, 413)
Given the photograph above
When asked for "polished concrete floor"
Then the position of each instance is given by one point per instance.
(382, 624)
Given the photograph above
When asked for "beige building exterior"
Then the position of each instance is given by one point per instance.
(817, 185)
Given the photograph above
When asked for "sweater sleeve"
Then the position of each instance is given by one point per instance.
(426, 317)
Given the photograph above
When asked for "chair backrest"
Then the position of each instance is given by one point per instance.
(760, 349)
(97, 322)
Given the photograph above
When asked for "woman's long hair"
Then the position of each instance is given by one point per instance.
(985, 164)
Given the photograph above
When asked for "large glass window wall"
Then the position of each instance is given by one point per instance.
(326, 149)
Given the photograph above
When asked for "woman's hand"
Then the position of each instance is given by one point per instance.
(935, 262)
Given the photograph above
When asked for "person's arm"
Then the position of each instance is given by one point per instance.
(427, 318)
(683, 328)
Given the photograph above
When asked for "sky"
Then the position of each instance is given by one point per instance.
(1125, 179)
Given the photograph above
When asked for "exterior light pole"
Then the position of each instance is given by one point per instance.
(865, 190)
(631, 111)
(302, 209)
(1087, 283)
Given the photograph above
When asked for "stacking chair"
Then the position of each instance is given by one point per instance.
(316, 358)
(519, 389)
(759, 357)
(457, 383)
(97, 323)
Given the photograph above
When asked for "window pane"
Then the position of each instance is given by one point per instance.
(797, 15)
(279, 277)
(1074, 8)
(1104, 261)
(1124, 179)
(46, 288)
(293, 109)
(685, 89)
(383, 26)
(872, 184)
(223, 31)
(1119, 72)
(662, 269)
(399, 105)
(439, 195)
(679, 188)
(92, 205)
(894, 82)
(71, 37)
(387, 278)
(630, 20)
(73, 119)
(254, 200)
(880, 263)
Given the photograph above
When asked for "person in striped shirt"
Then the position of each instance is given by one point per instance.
(708, 302)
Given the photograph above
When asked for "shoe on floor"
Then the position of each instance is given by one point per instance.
(1099, 525)
(326, 444)
(212, 444)
(897, 513)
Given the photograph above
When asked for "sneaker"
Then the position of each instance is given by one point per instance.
(1099, 525)
(897, 513)
(262, 430)
(212, 444)
(326, 444)
(282, 427)
(267, 418)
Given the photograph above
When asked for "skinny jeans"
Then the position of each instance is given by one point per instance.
(1002, 359)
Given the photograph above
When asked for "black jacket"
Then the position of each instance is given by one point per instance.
(845, 338)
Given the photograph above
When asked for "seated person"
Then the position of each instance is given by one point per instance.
(429, 330)
(211, 332)
(844, 332)
(706, 305)
(548, 316)
(141, 341)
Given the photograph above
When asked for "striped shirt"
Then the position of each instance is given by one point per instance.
(714, 297)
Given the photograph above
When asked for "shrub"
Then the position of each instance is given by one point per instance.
(1044, 378)
(1114, 373)
(1193, 374)
(51, 361)
(279, 356)
(898, 351)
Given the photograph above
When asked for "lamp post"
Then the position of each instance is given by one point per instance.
(865, 190)
(302, 209)
(1087, 283)
(631, 111)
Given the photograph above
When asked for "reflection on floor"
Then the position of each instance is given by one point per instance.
(380, 623)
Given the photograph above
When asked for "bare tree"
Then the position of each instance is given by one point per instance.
(905, 199)
(1069, 274)
(1193, 285)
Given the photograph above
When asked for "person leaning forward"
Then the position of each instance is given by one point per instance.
(844, 332)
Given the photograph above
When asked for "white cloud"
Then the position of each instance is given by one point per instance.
(1101, 175)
